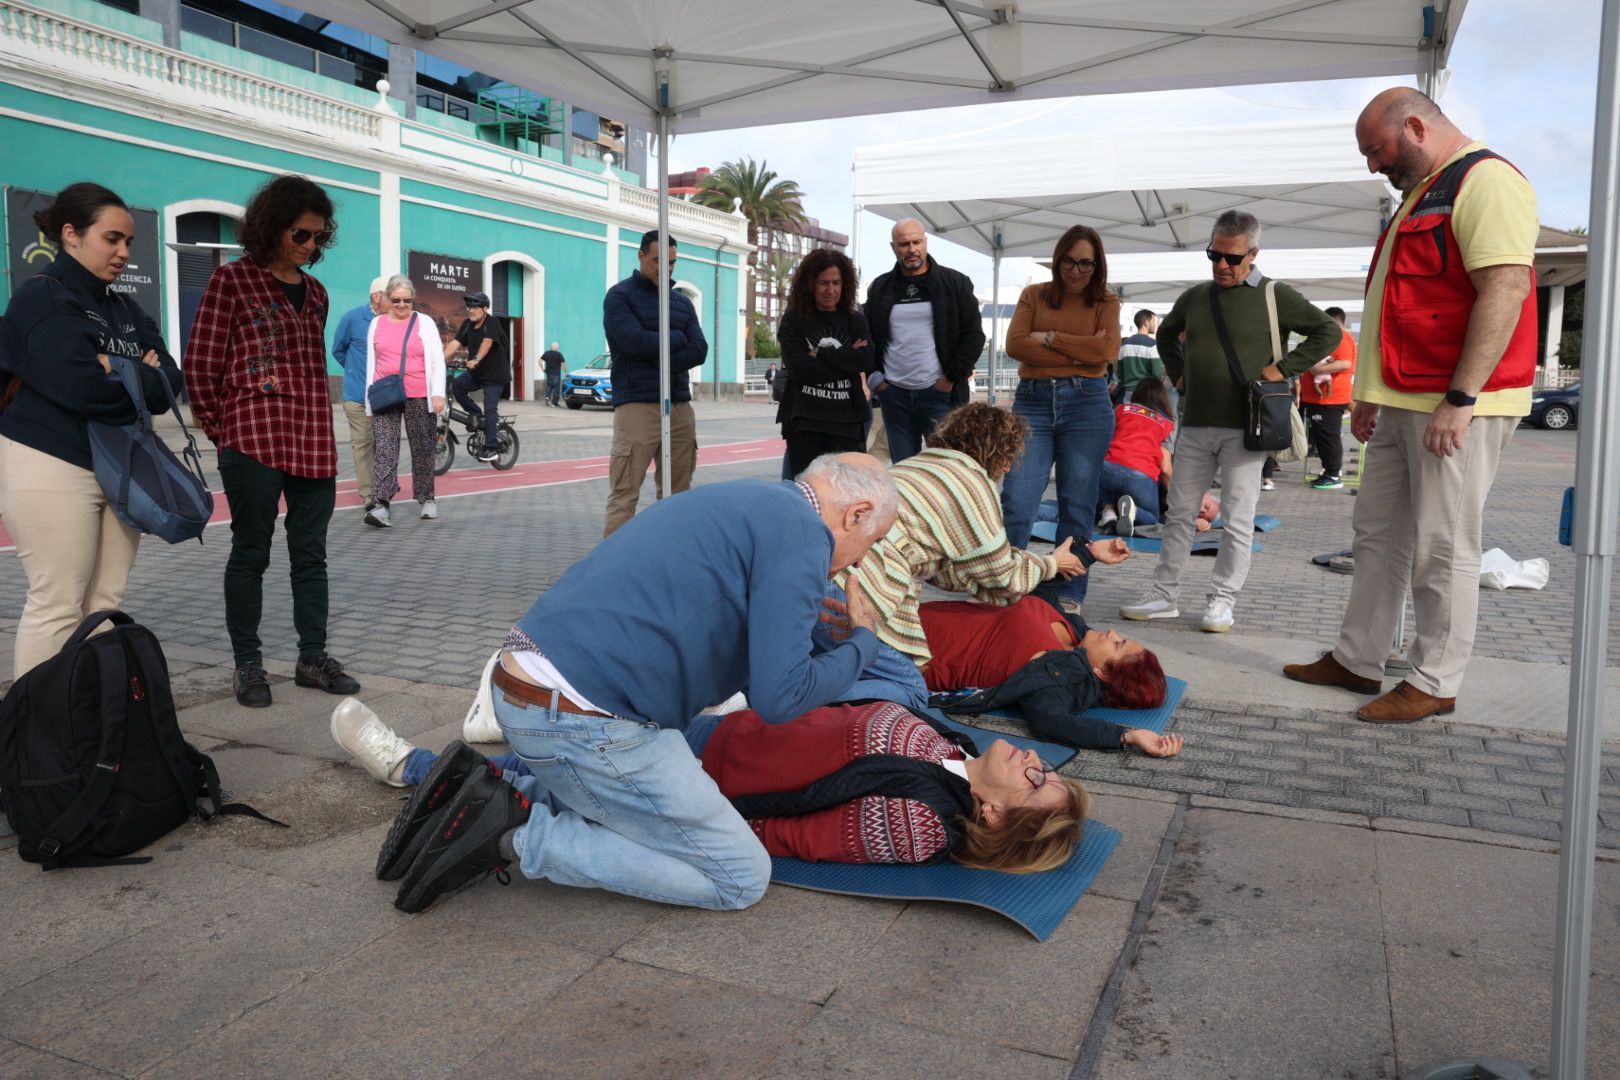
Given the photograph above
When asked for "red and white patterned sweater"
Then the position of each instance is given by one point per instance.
(747, 756)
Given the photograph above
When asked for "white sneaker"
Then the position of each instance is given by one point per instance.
(1127, 516)
(479, 725)
(370, 741)
(735, 703)
(378, 516)
(430, 511)
(1151, 606)
(1217, 617)
(1106, 518)
(1268, 484)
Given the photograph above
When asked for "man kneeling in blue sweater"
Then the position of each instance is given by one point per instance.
(692, 600)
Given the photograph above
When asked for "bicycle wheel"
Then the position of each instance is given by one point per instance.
(508, 447)
(444, 449)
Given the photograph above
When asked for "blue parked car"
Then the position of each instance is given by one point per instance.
(589, 385)
(1555, 409)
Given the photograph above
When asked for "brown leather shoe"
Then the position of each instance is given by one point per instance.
(1329, 672)
(1405, 704)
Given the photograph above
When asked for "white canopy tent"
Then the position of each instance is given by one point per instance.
(1303, 179)
(680, 65)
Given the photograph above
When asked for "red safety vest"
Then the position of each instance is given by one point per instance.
(1428, 297)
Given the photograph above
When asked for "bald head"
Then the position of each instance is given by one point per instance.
(1403, 135)
(910, 246)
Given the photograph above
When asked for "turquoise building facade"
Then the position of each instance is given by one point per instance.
(88, 92)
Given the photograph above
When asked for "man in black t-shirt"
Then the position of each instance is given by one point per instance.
(553, 359)
(483, 341)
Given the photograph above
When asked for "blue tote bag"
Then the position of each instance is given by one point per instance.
(149, 487)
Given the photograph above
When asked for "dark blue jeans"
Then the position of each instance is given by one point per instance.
(1070, 424)
(909, 417)
(1117, 480)
(462, 388)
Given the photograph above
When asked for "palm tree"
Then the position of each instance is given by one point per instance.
(767, 202)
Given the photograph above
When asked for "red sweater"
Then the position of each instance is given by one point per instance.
(747, 756)
(980, 646)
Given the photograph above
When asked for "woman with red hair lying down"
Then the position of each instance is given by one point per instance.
(1051, 665)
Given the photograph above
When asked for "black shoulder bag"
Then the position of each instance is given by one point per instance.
(1267, 405)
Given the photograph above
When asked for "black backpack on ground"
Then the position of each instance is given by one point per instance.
(92, 762)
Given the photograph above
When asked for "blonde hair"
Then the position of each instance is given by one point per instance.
(1030, 839)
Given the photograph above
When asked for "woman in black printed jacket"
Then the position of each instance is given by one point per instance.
(826, 354)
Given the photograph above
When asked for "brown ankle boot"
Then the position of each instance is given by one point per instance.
(1329, 672)
(1405, 704)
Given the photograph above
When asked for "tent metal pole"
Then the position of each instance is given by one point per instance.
(1597, 469)
(664, 241)
(995, 313)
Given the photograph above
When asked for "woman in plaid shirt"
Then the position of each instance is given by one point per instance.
(255, 370)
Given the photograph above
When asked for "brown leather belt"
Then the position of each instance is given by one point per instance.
(527, 693)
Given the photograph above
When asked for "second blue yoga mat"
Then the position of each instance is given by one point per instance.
(1037, 902)
(1154, 720)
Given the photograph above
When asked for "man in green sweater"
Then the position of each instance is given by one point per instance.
(1211, 437)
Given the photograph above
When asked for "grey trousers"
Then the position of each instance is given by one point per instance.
(1417, 522)
(1200, 453)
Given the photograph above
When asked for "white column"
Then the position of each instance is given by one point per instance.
(1555, 331)
(389, 258)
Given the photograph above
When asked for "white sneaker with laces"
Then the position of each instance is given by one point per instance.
(378, 516)
(369, 741)
(1151, 606)
(479, 725)
(1217, 617)
(1106, 518)
(430, 511)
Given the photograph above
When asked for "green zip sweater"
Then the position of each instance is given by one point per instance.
(1210, 396)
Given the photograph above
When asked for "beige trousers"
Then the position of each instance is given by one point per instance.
(360, 440)
(635, 444)
(75, 551)
(1417, 521)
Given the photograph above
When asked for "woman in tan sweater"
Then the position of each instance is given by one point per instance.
(1063, 335)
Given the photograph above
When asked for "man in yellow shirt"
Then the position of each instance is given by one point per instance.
(1448, 351)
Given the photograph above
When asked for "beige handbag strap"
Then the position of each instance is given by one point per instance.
(1271, 312)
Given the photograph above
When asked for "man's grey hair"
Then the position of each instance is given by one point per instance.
(399, 281)
(853, 480)
(1238, 223)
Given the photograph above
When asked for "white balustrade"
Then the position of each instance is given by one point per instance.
(72, 49)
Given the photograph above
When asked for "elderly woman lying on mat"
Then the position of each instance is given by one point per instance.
(950, 533)
(1050, 665)
(873, 783)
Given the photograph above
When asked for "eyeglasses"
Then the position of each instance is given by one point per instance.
(1226, 257)
(1037, 776)
(322, 237)
(1066, 264)
(401, 300)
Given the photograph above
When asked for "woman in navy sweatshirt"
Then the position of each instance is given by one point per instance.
(60, 330)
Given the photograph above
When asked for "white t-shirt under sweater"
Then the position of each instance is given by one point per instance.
(911, 361)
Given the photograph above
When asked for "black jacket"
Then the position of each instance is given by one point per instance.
(630, 318)
(56, 324)
(1052, 691)
(958, 326)
(823, 384)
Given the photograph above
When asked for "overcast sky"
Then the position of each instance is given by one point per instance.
(1523, 73)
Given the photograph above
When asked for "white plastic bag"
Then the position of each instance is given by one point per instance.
(1499, 570)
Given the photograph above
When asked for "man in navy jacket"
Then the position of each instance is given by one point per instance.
(630, 318)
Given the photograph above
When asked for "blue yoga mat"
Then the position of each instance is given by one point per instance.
(1037, 902)
(1154, 720)
(1047, 530)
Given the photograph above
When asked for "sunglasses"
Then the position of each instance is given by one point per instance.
(1066, 263)
(322, 237)
(1227, 257)
(401, 300)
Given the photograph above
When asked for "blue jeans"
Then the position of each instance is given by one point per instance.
(1070, 424)
(909, 417)
(462, 388)
(623, 805)
(1117, 480)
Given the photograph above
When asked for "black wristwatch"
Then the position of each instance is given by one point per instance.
(1083, 553)
(1460, 399)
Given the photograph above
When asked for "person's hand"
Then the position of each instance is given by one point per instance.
(1068, 563)
(1363, 420)
(151, 359)
(1272, 373)
(1152, 744)
(1111, 551)
(944, 384)
(1200, 525)
(859, 343)
(1323, 382)
(106, 364)
(836, 616)
(438, 403)
(1447, 429)
(861, 611)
